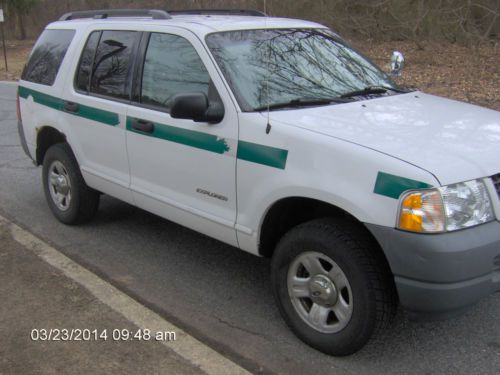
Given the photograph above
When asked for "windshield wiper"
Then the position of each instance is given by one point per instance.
(372, 90)
(301, 102)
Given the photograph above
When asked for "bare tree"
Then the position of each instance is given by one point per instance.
(463, 21)
(20, 8)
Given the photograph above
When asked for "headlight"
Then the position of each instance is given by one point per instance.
(447, 208)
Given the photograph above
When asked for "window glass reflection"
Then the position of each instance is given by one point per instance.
(47, 56)
(86, 61)
(172, 66)
(112, 63)
(266, 67)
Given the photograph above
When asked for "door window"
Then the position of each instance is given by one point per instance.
(82, 82)
(112, 64)
(172, 66)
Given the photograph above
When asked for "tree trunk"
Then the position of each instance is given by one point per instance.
(20, 24)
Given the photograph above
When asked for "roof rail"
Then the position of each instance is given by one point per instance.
(108, 13)
(217, 12)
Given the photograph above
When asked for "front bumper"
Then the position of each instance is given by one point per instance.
(438, 275)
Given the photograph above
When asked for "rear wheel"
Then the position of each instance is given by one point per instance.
(332, 286)
(68, 196)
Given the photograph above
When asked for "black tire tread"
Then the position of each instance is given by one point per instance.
(85, 198)
(376, 267)
(360, 244)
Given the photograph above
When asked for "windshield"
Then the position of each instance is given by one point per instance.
(275, 66)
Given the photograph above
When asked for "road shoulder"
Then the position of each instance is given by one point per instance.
(43, 290)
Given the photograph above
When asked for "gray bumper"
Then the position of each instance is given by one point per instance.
(22, 139)
(441, 274)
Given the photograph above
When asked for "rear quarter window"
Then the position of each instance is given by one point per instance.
(47, 56)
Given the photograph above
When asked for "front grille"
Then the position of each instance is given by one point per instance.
(496, 182)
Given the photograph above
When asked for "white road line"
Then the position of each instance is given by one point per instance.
(11, 83)
(185, 346)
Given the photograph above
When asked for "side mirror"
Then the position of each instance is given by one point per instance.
(397, 63)
(196, 107)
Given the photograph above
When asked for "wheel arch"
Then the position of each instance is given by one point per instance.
(289, 212)
(47, 136)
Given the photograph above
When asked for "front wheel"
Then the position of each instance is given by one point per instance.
(332, 286)
(68, 196)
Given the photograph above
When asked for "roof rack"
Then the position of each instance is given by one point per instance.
(108, 13)
(218, 12)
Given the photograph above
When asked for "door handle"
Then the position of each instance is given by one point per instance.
(143, 126)
(71, 107)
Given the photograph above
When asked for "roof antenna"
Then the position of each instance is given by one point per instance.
(268, 127)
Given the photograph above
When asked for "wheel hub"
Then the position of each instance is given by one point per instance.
(61, 185)
(320, 292)
(323, 290)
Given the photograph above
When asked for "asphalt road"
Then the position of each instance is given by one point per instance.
(222, 295)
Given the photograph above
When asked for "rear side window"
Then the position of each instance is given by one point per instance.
(47, 56)
(112, 64)
(84, 72)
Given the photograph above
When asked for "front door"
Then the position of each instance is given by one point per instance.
(181, 169)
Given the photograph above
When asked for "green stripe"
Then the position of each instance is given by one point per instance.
(260, 154)
(41, 98)
(255, 153)
(99, 115)
(392, 186)
(252, 152)
(90, 113)
(185, 137)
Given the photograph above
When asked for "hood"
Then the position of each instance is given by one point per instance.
(452, 140)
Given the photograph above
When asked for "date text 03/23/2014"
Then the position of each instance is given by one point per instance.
(85, 334)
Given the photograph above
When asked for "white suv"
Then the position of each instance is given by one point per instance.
(277, 137)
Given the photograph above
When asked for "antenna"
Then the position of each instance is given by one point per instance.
(268, 126)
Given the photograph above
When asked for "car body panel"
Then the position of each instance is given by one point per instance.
(317, 167)
(452, 140)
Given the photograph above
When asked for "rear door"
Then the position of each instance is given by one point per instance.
(95, 105)
(181, 169)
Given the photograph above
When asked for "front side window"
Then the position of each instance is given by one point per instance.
(268, 67)
(47, 56)
(172, 66)
(112, 64)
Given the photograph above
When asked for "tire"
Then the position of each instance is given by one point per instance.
(68, 196)
(333, 287)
